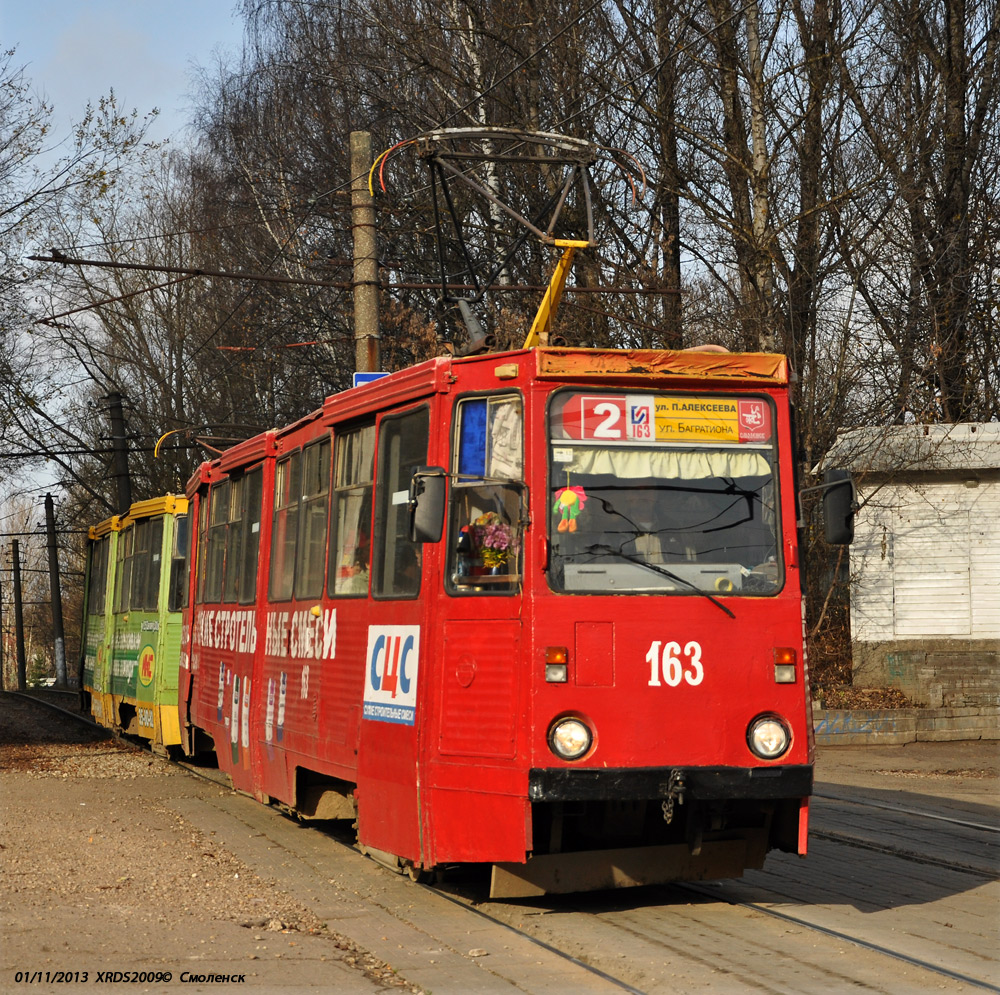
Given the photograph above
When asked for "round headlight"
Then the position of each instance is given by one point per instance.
(570, 739)
(768, 737)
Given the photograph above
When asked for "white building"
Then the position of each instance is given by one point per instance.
(925, 563)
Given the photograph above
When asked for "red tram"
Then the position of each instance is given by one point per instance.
(538, 609)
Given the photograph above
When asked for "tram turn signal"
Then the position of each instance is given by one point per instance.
(556, 664)
(785, 660)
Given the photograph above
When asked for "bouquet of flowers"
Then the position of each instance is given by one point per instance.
(493, 539)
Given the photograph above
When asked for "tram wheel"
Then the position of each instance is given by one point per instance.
(419, 874)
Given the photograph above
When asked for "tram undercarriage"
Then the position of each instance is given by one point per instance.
(601, 844)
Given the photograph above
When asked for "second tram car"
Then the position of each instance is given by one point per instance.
(539, 609)
(136, 578)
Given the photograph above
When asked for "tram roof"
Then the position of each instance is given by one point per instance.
(671, 367)
(611, 367)
(166, 504)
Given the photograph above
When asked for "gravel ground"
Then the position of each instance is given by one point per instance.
(98, 873)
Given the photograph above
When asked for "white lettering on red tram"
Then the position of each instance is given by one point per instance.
(232, 630)
(302, 635)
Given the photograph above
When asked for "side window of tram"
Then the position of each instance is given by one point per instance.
(350, 558)
(214, 558)
(123, 570)
(97, 592)
(396, 561)
(285, 527)
(247, 557)
(228, 544)
(139, 566)
(177, 592)
(201, 559)
(138, 581)
(232, 541)
(310, 559)
(484, 541)
(153, 566)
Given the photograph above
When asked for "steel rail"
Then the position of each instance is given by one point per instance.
(908, 811)
(624, 985)
(845, 937)
(911, 855)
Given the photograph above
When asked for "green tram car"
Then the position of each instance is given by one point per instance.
(136, 580)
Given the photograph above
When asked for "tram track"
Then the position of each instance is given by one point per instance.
(77, 714)
(715, 896)
(895, 851)
(904, 810)
(722, 892)
(844, 937)
(662, 925)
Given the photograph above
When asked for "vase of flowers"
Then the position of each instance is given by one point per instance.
(494, 541)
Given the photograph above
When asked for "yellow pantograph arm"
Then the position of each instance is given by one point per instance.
(539, 334)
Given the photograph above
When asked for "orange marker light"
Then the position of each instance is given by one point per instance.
(556, 664)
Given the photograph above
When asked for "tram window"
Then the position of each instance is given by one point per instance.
(314, 520)
(97, 592)
(178, 565)
(396, 561)
(663, 494)
(201, 562)
(350, 559)
(234, 541)
(484, 537)
(140, 566)
(123, 572)
(248, 554)
(154, 561)
(285, 529)
(215, 554)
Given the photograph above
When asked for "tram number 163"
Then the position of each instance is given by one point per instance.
(669, 664)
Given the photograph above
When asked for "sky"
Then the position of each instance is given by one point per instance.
(76, 51)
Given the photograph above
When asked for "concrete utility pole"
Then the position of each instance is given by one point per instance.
(22, 666)
(3, 683)
(119, 453)
(367, 340)
(56, 589)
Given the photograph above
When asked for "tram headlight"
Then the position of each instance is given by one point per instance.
(768, 737)
(570, 738)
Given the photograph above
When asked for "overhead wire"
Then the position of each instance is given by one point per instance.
(380, 165)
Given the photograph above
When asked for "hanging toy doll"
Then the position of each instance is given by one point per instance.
(569, 503)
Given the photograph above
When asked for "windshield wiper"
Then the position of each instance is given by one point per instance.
(656, 568)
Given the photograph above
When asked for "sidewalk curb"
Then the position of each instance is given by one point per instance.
(892, 726)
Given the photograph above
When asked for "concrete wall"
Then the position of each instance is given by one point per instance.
(935, 673)
(894, 726)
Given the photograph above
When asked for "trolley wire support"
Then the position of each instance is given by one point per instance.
(454, 156)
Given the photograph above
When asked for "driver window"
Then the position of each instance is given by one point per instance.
(484, 530)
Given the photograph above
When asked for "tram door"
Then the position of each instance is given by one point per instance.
(398, 638)
(478, 681)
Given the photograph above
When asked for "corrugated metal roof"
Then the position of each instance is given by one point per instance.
(917, 448)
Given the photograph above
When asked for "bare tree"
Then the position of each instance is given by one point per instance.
(927, 273)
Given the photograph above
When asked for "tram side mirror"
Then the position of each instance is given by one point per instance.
(427, 496)
(839, 505)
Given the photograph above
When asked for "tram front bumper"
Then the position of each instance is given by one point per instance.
(549, 784)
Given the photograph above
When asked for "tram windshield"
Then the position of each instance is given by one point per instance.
(664, 494)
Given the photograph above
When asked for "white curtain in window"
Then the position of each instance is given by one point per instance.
(669, 464)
